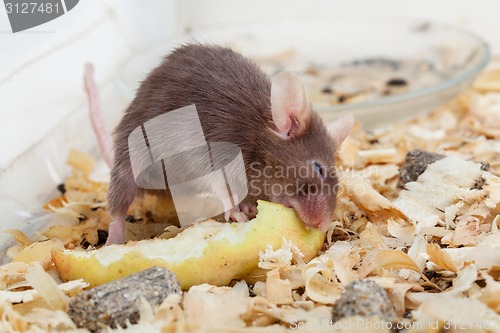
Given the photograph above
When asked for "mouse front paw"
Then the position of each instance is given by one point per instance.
(236, 215)
(250, 209)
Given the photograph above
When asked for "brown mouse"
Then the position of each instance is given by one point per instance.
(287, 150)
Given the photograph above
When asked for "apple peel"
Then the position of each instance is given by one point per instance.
(206, 252)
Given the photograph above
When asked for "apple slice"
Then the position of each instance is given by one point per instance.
(206, 252)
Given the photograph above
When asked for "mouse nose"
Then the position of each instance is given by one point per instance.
(319, 221)
(313, 210)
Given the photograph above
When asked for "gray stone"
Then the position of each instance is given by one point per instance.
(118, 302)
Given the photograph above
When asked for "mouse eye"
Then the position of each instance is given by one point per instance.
(319, 169)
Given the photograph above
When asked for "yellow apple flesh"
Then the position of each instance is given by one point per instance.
(206, 252)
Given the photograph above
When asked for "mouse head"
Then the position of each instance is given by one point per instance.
(305, 176)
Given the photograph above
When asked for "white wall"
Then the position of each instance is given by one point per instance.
(41, 69)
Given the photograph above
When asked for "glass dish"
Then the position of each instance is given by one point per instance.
(451, 57)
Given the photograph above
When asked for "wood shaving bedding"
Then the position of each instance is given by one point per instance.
(433, 245)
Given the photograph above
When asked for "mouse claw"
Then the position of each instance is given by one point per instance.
(236, 215)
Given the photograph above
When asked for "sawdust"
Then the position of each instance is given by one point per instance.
(433, 245)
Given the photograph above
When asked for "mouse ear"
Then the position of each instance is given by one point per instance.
(341, 128)
(289, 104)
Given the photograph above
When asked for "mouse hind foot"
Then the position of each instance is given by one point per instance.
(116, 231)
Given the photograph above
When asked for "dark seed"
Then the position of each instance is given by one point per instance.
(327, 90)
(397, 82)
(61, 188)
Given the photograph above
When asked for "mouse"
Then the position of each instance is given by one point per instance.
(288, 151)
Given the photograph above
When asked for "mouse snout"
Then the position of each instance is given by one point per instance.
(313, 210)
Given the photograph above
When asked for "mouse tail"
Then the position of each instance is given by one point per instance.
(103, 135)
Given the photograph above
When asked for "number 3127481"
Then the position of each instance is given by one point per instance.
(32, 7)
